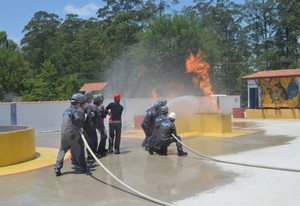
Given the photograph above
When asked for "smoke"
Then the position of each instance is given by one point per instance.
(9, 97)
(138, 72)
(191, 105)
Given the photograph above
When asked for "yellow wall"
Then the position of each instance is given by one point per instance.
(203, 123)
(17, 146)
(273, 113)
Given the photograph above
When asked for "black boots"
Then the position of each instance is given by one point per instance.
(57, 172)
(182, 153)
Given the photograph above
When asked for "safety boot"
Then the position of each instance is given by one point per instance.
(182, 153)
(110, 150)
(57, 172)
(150, 151)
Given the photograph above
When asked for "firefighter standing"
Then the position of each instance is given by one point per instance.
(71, 131)
(115, 110)
(100, 116)
(149, 122)
(162, 117)
(89, 129)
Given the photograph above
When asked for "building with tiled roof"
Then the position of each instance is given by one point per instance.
(274, 89)
(94, 87)
(274, 73)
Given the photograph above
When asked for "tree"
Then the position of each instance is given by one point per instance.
(261, 19)
(287, 34)
(14, 70)
(39, 42)
(43, 86)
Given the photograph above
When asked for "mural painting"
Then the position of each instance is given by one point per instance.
(280, 92)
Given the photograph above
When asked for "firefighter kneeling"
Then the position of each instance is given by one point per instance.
(165, 138)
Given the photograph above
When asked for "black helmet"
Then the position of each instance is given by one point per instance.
(162, 102)
(164, 109)
(98, 98)
(78, 98)
(156, 106)
(88, 94)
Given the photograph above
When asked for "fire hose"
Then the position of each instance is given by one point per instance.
(118, 180)
(235, 163)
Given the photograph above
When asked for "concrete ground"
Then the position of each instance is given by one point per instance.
(190, 180)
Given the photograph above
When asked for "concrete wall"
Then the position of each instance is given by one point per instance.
(44, 116)
(5, 114)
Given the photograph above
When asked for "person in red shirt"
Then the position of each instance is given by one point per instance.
(115, 110)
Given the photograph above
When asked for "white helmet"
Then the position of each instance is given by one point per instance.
(172, 115)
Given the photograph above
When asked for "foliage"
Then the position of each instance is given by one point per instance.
(141, 46)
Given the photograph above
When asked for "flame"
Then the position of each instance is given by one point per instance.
(154, 94)
(198, 65)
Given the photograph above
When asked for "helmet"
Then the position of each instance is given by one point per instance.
(164, 109)
(162, 102)
(88, 94)
(98, 97)
(172, 116)
(117, 97)
(78, 98)
(156, 106)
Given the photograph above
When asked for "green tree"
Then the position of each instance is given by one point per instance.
(43, 86)
(287, 34)
(39, 42)
(261, 19)
(14, 70)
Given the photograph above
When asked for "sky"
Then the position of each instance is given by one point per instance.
(15, 14)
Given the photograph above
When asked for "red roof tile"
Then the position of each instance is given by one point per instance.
(97, 86)
(274, 73)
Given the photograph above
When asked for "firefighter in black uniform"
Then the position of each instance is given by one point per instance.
(89, 129)
(162, 117)
(149, 122)
(165, 137)
(101, 115)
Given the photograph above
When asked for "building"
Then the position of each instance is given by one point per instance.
(96, 87)
(276, 89)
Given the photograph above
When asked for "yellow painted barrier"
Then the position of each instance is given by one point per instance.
(276, 113)
(17, 144)
(203, 123)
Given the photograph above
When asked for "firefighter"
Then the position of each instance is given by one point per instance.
(149, 122)
(89, 129)
(101, 115)
(115, 110)
(165, 137)
(162, 117)
(162, 102)
(71, 130)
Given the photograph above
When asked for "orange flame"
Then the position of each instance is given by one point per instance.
(198, 65)
(154, 94)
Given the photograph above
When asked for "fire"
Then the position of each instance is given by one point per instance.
(154, 94)
(198, 65)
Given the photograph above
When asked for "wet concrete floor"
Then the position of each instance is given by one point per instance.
(167, 178)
